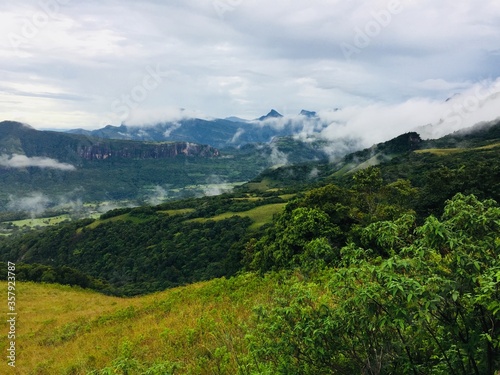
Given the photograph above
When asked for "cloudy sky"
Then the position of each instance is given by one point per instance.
(73, 63)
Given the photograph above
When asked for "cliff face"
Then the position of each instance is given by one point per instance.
(17, 138)
(146, 151)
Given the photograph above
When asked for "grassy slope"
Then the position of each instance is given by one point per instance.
(41, 222)
(260, 215)
(448, 151)
(200, 327)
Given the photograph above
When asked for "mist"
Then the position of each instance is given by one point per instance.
(22, 161)
(362, 125)
(157, 196)
(35, 204)
(277, 158)
(430, 118)
(216, 185)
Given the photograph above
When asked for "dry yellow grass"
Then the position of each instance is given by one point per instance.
(201, 327)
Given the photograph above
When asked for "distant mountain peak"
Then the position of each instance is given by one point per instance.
(308, 113)
(272, 114)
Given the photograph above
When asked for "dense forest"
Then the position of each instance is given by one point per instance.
(385, 269)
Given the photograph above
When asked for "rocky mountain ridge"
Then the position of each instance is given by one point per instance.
(17, 138)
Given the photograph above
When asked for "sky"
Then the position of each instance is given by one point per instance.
(388, 65)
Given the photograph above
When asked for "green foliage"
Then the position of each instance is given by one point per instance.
(61, 275)
(439, 178)
(388, 270)
(298, 237)
(131, 257)
(293, 337)
(312, 229)
(430, 307)
(399, 145)
(127, 364)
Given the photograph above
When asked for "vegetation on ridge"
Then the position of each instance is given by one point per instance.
(391, 269)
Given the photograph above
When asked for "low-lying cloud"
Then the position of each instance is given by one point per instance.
(430, 118)
(277, 157)
(35, 204)
(157, 196)
(38, 204)
(23, 161)
(216, 185)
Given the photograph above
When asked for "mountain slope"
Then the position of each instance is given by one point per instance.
(17, 138)
(142, 249)
(230, 132)
(427, 289)
(352, 274)
(405, 151)
(67, 330)
(42, 170)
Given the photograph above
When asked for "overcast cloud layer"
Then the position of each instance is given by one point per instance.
(388, 64)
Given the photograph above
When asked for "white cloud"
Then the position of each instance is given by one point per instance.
(237, 135)
(35, 203)
(433, 118)
(277, 158)
(157, 195)
(22, 161)
(72, 67)
(215, 185)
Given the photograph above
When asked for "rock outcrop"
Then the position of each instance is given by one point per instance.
(146, 151)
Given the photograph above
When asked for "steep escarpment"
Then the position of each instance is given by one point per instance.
(137, 150)
(17, 138)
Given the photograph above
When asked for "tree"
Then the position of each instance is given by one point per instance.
(431, 307)
(293, 240)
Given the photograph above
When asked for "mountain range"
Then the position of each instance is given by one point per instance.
(229, 132)
(22, 139)
(40, 169)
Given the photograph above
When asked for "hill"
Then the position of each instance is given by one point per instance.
(137, 250)
(355, 268)
(193, 329)
(402, 291)
(20, 139)
(406, 156)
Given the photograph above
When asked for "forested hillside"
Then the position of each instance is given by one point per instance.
(349, 267)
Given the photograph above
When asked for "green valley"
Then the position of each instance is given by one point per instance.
(44, 174)
(320, 267)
